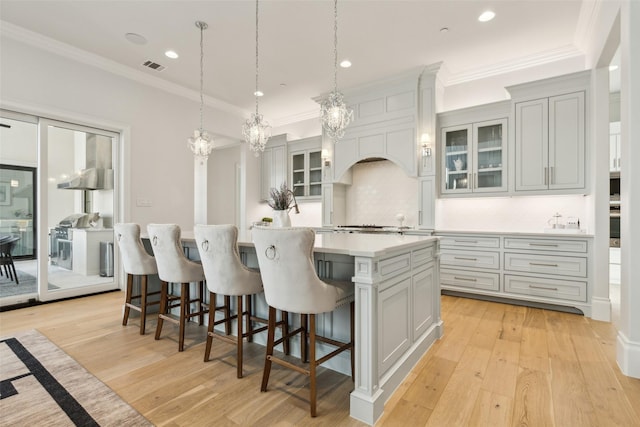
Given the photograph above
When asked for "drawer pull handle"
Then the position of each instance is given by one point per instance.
(543, 287)
(465, 258)
(542, 264)
(466, 241)
(544, 244)
(465, 278)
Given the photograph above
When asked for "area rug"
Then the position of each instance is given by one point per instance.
(27, 285)
(41, 385)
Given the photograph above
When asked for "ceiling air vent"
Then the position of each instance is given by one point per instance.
(154, 66)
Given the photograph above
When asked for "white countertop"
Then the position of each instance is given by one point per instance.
(353, 244)
(564, 233)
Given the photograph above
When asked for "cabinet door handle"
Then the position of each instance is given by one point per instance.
(541, 264)
(475, 180)
(468, 279)
(328, 269)
(466, 241)
(546, 177)
(465, 259)
(544, 244)
(420, 217)
(543, 287)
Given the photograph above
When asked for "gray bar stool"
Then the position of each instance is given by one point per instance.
(175, 267)
(136, 263)
(285, 256)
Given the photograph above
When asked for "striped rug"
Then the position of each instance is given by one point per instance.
(41, 385)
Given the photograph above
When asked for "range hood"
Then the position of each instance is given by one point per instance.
(96, 160)
(89, 179)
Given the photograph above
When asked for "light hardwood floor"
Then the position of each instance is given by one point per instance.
(497, 365)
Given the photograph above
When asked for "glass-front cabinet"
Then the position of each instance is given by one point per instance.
(306, 168)
(474, 157)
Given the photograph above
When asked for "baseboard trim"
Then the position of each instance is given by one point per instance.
(601, 309)
(628, 356)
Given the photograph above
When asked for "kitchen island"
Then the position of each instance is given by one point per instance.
(397, 307)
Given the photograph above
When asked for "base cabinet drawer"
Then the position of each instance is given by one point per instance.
(469, 242)
(470, 259)
(470, 279)
(547, 288)
(547, 245)
(560, 265)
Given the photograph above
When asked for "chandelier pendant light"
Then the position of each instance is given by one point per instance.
(256, 130)
(201, 143)
(334, 113)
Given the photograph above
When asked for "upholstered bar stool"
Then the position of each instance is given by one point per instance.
(285, 257)
(137, 263)
(226, 275)
(175, 267)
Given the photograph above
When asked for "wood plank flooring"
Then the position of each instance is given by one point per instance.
(497, 365)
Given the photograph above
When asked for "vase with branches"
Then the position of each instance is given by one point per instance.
(282, 200)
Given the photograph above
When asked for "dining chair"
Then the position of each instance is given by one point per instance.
(285, 257)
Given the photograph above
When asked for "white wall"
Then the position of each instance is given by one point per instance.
(39, 82)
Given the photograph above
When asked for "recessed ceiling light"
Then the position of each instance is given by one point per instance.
(283, 85)
(486, 16)
(135, 38)
(444, 30)
(258, 93)
(345, 64)
(171, 54)
(613, 67)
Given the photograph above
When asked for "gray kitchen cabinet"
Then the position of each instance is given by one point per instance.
(426, 203)
(273, 165)
(550, 143)
(305, 166)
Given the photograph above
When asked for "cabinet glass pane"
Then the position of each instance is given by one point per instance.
(489, 159)
(315, 189)
(298, 162)
(456, 159)
(315, 176)
(315, 160)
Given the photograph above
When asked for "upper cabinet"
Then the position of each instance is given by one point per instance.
(550, 134)
(305, 157)
(473, 150)
(273, 165)
(550, 143)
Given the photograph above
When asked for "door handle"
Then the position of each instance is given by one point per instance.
(546, 177)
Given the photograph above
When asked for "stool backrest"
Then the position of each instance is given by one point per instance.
(135, 258)
(225, 273)
(173, 265)
(285, 256)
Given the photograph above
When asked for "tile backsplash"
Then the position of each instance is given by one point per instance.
(381, 190)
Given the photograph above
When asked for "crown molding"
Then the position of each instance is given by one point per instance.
(39, 41)
(542, 58)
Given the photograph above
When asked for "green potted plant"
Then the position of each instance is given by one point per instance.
(282, 200)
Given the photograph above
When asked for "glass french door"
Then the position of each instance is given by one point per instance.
(77, 209)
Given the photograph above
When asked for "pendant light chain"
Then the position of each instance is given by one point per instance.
(257, 32)
(335, 45)
(202, 27)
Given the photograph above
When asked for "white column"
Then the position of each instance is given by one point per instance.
(199, 190)
(628, 347)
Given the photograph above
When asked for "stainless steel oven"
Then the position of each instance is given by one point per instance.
(614, 223)
(61, 250)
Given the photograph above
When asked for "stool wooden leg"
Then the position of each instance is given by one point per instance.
(127, 300)
(304, 348)
(212, 318)
(143, 304)
(163, 307)
(285, 332)
(227, 314)
(200, 300)
(239, 341)
(352, 311)
(184, 313)
(312, 364)
(271, 332)
(249, 325)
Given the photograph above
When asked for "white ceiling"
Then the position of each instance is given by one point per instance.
(381, 38)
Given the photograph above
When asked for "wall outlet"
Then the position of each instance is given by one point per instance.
(143, 203)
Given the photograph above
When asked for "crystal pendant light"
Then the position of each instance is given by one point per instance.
(334, 113)
(201, 143)
(256, 130)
